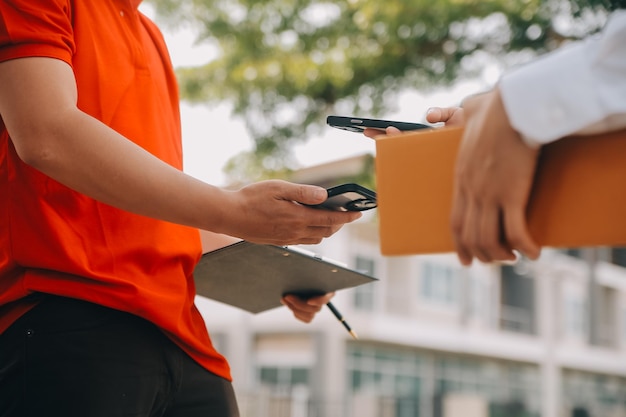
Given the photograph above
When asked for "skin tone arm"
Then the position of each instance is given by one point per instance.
(493, 178)
(38, 106)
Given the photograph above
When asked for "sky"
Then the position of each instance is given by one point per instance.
(211, 135)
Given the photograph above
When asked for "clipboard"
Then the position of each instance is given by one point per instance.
(254, 277)
(578, 197)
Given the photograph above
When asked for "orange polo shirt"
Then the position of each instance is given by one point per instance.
(54, 240)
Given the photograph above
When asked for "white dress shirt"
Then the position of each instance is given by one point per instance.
(578, 89)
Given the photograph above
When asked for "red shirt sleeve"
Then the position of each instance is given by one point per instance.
(40, 28)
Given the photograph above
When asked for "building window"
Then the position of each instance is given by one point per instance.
(624, 326)
(364, 294)
(284, 392)
(574, 252)
(591, 394)
(384, 379)
(618, 256)
(220, 342)
(439, 283)
(387, 381)
(576, 316)
(281, 378)
(505, 388)
(517, 310)
(605, 323)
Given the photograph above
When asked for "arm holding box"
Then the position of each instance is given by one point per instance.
(577, 90)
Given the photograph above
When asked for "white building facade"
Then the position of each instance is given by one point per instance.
(534, 339)
(544, 338)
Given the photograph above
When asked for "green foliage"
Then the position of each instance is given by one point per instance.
(286, 64)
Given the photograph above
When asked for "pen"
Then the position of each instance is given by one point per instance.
(341, 319)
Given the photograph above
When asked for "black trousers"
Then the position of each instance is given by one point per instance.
(71, 358)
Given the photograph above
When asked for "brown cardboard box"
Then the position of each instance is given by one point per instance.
(579, 196)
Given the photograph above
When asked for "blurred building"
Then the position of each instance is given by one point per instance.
(544, 338)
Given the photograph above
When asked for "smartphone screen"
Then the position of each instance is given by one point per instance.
(359, 124)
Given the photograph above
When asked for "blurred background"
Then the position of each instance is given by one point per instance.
(258, 78)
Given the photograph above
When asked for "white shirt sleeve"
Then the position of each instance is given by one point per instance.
(579, 89)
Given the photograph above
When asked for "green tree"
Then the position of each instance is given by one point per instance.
(286, 64)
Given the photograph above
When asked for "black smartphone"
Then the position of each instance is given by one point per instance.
(349, 197)
(359, 124)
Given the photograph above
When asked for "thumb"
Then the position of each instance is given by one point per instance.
(392, 130)
(439, 114)
(306, 194)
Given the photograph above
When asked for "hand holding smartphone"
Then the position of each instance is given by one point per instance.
(349, 197)
(359, 124)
